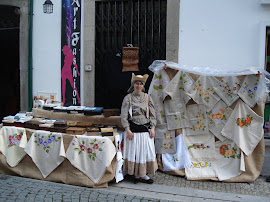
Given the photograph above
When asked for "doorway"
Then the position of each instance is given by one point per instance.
(9, 51)
(141, 23)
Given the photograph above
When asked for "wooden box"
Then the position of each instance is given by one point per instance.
(45, 126)
(32, 124)
(58, 129)
(76, 130)
(72, 123)
(92, 129)
(93, 133)
(106, 131)
(84, 124)
(60, 123)
(111, 112)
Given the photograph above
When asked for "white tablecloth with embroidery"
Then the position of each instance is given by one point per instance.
(46, 150)
(91, 155)
(12, 143)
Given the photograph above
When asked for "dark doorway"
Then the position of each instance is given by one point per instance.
(141, 23)
(9, 51)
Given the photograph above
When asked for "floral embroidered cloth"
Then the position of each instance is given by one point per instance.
(217, 118)
(202, 93)
(178, 86)
(200, 147)
(227, 89)
(164, 140)
(244, 127)
(46, 150)
(178, 160)
(201, 169)
(160, 110)
(91, 155)
(198, 120)
(12, 143)
(176, 114)
(248, 90)
(230, 160)
(119, 157)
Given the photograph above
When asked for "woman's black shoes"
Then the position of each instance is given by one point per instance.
(149, 181)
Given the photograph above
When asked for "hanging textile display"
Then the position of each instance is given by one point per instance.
(119, 157)
(46, 150)
(178, 160)
(248, 90)
(230, 160)
(130, 59)
(244, 127)
(164, 140)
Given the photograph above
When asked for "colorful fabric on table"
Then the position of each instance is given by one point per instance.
(202, 93)
(198, 120)
(200, 147)
(164, 140)
(244, 127)
(178, 160)
(91, 155)
(248, 90)
(46, 150)
(178, 86)
(227, 89)
(176, 114)
(230, 160)
(217, 118)
(12, 143)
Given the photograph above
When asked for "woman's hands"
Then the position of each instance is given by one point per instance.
(129, 134)
(152, 132)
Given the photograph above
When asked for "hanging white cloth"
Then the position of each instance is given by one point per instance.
(178, 160)
(12, 143)
(46, 150)
(119, 157)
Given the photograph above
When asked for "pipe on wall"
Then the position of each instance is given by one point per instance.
(30, 59)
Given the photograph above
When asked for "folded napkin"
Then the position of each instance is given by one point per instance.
(230, 160)
(198, 120)
(244, 127)
(176, 113)
(217, 117)
(248, 90)
(91, 155)
(227, 89)
(200, 147)
(164, 140)
(178, 86)
(178, 160)
(202, 93)
(12, 143)
(201, 169)
(46, 150)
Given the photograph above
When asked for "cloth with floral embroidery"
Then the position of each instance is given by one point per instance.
(198, 119)
(178, 160)
(91, 155)
(244, 127)
(160, 110)
(200, 147)
(230, 160)
(46, 150)
(217, 118)
(178, 86)
(12, 143)
(119, 157)
(176, 113)
(202, 93)
(248, 90)
(227, 89)
(164, 140)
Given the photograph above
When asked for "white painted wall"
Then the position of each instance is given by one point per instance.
(47, 49)
(222, 33)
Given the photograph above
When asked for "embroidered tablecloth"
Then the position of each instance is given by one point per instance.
(198, 120)
(227, 89)
(164, 140)
(248, 90)
(91, 155)
(217, 118)
(12, 143)
(178, 160)
(46, 150)
(202, 93)
(230, 160)
(244, 127)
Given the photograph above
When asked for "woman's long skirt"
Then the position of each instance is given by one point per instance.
(139, 155)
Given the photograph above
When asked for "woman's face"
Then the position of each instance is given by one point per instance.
(138, 86)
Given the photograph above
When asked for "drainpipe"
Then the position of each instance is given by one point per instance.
(30, 60)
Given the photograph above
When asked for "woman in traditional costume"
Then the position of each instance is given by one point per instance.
(138, 117)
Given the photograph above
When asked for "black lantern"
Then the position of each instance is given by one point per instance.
(48, 7)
